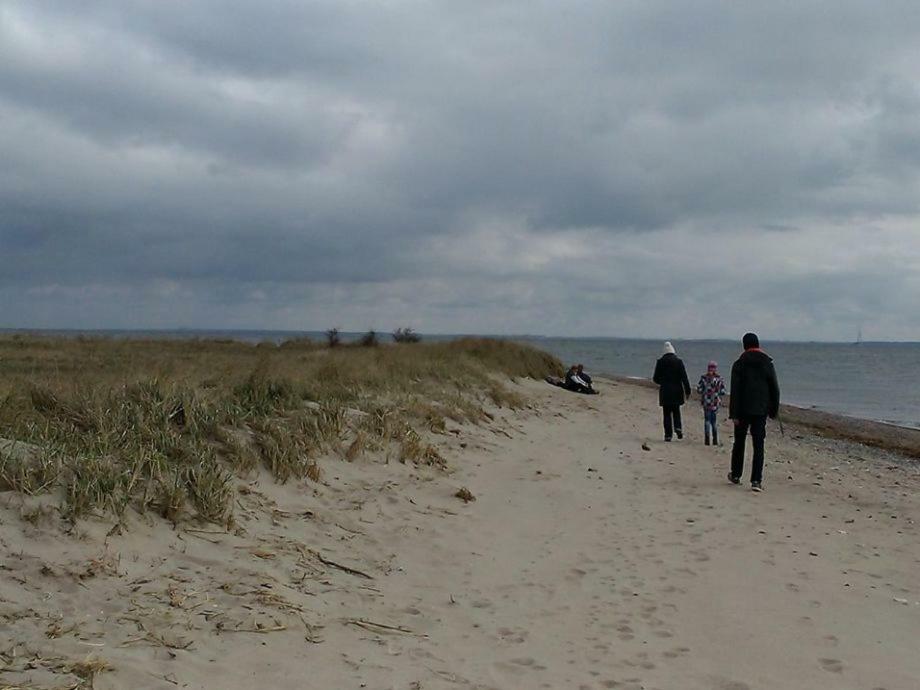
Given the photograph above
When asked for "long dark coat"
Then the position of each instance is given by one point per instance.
(671, 377)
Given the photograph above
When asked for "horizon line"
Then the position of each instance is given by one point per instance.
(192, 330)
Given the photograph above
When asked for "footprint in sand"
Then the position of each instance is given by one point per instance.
(676, 652)
(524, 661)
(831, 665)
(513, 636)
(628, 684)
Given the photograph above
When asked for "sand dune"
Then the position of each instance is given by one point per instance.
(584, 562)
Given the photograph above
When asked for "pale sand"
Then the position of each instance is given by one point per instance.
(585, 562)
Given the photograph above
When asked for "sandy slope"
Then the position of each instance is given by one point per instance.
(585, 562)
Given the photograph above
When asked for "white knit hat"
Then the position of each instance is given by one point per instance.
(668, 348)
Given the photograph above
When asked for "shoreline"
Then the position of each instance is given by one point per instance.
(886, 436)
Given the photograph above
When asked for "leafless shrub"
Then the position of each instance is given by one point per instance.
(406, 335)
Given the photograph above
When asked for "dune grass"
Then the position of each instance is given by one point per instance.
(168, 425)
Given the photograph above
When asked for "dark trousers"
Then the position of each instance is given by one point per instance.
(672, 421)
(758, 428)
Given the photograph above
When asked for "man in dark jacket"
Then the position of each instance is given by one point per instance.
(754, 397)
(673, 388)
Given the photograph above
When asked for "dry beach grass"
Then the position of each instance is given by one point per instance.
(166, 425)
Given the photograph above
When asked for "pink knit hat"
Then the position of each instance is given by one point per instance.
(712, 365)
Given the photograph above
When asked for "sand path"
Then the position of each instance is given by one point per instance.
(590, 563)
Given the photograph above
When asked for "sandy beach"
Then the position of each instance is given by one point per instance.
(585, 561)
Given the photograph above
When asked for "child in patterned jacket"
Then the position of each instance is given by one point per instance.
(711, 389)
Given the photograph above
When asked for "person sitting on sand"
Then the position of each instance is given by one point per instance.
(711, 388)
(562, 382)
(673, 386)
(575, 380)
(580, 371)
(754, 397)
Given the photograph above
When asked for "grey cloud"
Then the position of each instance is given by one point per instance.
(312, 154)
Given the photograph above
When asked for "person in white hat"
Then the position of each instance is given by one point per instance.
(673, 389)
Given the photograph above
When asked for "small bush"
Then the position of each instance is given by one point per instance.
(210, 489)
(93, 483)
(170, 496)
(369, 339)
(406, 335)
(332, 337)
(414, 449)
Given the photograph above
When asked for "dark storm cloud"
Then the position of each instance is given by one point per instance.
(216, 162)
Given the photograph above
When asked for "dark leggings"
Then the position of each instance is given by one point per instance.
(672, 421)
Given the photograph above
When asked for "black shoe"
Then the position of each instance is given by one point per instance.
(667, 439)
(680, 434)
(706, 442)
(733, 479)
(755, 486)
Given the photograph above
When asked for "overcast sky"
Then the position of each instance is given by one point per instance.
(635, 168)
